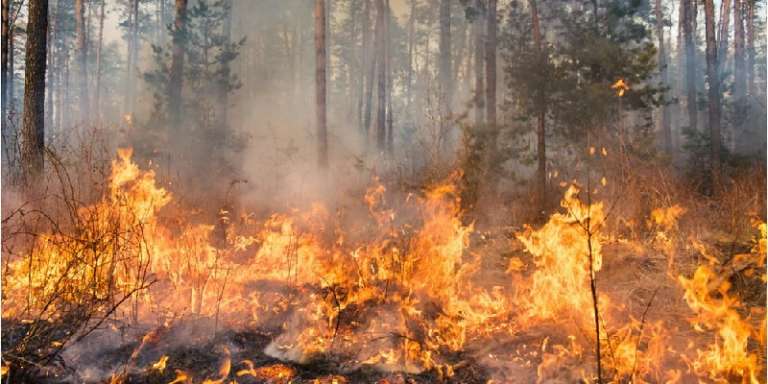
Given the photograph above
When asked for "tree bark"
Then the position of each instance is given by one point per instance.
(370, 64)
(665, 112)
(411, 44)
(479, 55)
(750, 26)
(388, 84)
(6, 28)
(82, 59)
(381, 77)
(690, 62)
(33, 129)
(444, 70)
(175, 81)
(226, 70)
(739, 62)
(713, 79)
(541, 153)
(490, 68)
(99, 44)
(320, 91)
(722, 36)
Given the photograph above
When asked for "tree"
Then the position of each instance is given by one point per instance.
(663, 70)
(6, 29)
(320, 86)
(713, 79)
(33, 129)
(99, 48)
(690, 61)
(444, 69)
(82, 58)
(722, 34)
(490, 66)
(739, 63)
(541, 131)
(750, 26)
(381, 79)
(177, 63)
(479, 54)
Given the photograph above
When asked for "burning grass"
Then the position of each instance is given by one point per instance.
(134, 290)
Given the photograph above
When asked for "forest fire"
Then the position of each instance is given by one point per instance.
(383, 191)
(403, 295)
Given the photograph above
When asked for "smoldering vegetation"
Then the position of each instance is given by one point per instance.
(511, 191)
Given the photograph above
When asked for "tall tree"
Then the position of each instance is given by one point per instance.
(226, 68)
(369, 62)
(99, 47)
(33, 129)
(750, 27)
(722, 34)
(665, 112)
(478, 27)
(82, 59)
(133, 51)
(690, 60)
(6, 29)
(490, 67)
(444, 69)
(381, 77)
(175, 81)
(320, 79)
(739, 62)
(541, 131)
(713, 79)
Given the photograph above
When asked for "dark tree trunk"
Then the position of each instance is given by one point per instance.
(33, 129)
(381, 77)
(690, 61)
(541, 131)
(6, 29)
(490, 67)
(175, 81)
(320, 91)
(739, 62)
(133, 51)
(722, 35)
(388, 83)
(714, 93)
(479, 59)
(444, 69)
(666, 128)
(370, 63)
(750, 26)
(226, 70)
(82, 59)
(99, 44)
(411, 44)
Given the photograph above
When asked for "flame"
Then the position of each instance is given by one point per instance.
(620, 86)
(561, 253)
(160, 364)
(728, 355)
(396, 293)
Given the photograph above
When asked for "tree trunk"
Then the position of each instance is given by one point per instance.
(478, 30)
(444, 69)
(714, 94)
(226, 70)
(388, 77)
(175, 81)
(381, 77)
(690, 62)
(370, 62)
(490, 68)
(666, 129)
(411, 43)
(6, 33)
(750, 26)
(99, 44)
(320, 91)
(722, 36)
(541, 154)
(82, 60)
(739, 63)
(33, 129)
